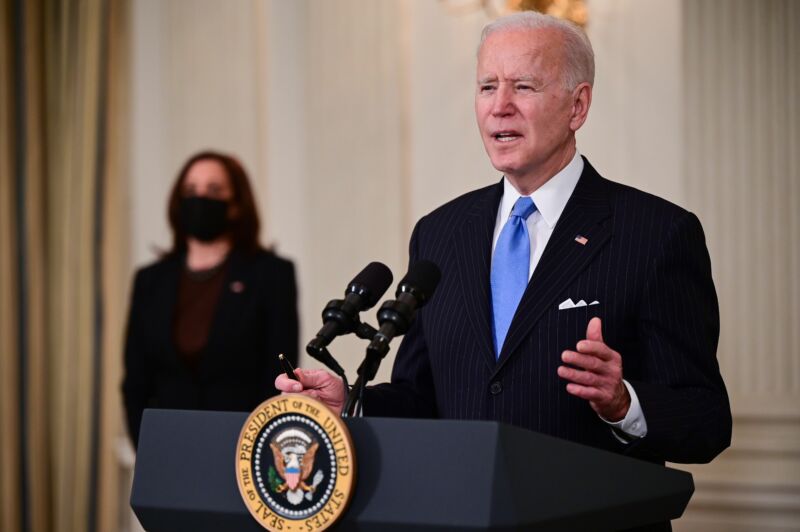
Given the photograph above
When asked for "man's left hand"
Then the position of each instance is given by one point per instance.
(596, 374)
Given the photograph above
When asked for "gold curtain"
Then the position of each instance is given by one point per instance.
(63, 99)
(9, 364)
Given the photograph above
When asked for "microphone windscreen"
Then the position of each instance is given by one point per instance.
(422, 277)
(372, 282)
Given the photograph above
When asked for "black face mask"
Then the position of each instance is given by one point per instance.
(203, 218)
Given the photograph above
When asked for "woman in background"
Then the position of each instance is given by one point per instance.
(208, 320)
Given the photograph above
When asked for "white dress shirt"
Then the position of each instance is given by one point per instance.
(550, 200)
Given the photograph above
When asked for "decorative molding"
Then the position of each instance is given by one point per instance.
(753, 497)
(777, 407)
(746, 489)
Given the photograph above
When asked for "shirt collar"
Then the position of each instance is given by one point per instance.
(551, 198)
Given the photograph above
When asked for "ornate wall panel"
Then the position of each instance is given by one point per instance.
(742, 116)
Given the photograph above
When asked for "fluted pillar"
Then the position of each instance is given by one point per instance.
(742, 177)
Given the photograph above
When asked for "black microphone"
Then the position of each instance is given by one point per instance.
(341, 316)
(395, 317)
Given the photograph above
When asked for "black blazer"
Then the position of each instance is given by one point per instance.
(647, 265)
(237, 369)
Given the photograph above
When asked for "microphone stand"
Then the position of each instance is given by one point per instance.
(366, 372)
(365, 331)
(376, 351)
(321, 353)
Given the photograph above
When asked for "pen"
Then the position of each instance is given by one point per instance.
(287, 367)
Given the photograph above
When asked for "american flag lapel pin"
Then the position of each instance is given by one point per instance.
(582, 240)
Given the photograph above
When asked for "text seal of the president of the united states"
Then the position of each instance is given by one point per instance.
(295, 464)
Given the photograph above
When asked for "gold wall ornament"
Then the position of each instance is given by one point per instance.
(572, 10)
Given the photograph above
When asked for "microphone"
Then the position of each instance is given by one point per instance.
(395, 317)
(341, 316)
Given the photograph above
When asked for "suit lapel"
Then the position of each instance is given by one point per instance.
(473, 249)
(563, 258)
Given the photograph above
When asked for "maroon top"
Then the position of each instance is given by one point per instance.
(198, 294)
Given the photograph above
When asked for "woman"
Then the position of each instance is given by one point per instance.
(208, 320)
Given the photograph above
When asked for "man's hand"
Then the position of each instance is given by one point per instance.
(598, 378)
(316, 383)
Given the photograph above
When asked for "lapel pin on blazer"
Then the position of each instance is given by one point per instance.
(582, 240)
(237, 287)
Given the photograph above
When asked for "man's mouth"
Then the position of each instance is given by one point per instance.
(506, 136)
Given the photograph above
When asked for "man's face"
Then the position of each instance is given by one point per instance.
(525, 115)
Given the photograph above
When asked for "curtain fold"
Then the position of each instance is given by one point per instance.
(35, 443)
(10, 473)
(61, 261)
(115, 265)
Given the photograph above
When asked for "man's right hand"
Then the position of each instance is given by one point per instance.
(316, 383)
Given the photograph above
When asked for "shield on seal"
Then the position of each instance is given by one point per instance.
(292, 475)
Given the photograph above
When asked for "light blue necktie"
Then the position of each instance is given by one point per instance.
(512, 258)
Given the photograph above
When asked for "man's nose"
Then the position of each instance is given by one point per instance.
(503, 104)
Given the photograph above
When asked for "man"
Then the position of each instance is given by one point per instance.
(557, 283)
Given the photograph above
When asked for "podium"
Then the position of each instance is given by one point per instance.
(412, 474)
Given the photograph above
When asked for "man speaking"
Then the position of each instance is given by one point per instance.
(568, 304)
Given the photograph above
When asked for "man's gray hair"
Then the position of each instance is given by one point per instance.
(577, 48)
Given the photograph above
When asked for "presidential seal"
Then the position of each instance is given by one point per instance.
(295, 464)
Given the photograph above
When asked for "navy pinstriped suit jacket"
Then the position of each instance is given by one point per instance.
(647, 264)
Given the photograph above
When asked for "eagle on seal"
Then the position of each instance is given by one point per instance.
(294, 469)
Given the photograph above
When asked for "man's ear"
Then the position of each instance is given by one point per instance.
(581, 101)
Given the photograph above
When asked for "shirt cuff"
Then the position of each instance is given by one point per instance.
(633, 425)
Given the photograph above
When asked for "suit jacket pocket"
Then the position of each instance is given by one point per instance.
(571, 324)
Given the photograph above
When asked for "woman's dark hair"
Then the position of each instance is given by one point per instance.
(244, 228)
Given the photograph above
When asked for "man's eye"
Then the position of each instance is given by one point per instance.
(487, 88)
(524, 88)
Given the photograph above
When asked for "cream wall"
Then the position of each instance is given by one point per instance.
(353, 130)
(355, 118)
(195, 86)
(635, 129)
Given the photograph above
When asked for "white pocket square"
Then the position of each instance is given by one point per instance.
(568, 303)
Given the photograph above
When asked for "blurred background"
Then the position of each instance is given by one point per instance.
(354, 118)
